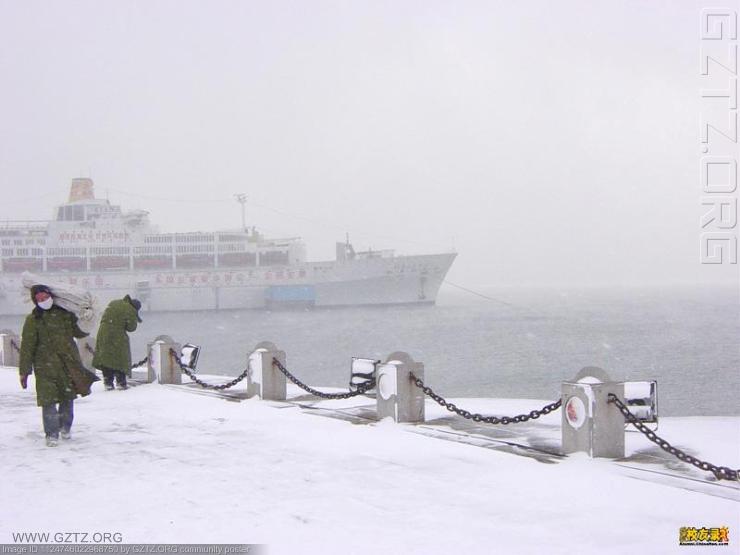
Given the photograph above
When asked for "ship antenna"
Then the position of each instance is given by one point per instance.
(241, 198)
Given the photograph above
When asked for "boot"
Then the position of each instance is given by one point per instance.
(121, 380)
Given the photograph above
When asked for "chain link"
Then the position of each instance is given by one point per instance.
(14, 345)
(140, 363)
(721, 472)
(547, 409)
(144, 360)
(361, 388)
(201, 383)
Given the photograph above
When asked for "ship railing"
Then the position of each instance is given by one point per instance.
(23, 225)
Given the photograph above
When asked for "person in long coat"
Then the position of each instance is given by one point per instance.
(112, 348)
(49, 351)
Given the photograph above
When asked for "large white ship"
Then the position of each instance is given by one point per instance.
(93, 244)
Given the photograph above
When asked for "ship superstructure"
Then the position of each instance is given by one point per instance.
(94, 244)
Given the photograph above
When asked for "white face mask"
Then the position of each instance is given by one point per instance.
(46, 305)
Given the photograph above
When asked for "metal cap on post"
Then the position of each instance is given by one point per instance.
(264, 379)
(9, 348)
(398, 396)
(161, 365)
(589, 422)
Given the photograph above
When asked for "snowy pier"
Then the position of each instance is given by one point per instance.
(175, 463)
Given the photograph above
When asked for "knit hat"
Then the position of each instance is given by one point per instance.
(136, 303)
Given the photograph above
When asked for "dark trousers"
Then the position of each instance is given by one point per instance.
(109, 375)
(57, 418)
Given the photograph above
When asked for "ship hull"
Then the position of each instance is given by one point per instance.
(365, 282)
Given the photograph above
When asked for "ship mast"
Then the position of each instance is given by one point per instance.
(241, 198)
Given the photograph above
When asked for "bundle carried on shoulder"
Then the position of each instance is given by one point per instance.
(70, 297)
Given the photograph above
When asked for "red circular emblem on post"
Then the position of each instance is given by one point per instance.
(575, 412)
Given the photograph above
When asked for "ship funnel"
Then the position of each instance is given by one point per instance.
(81, 189)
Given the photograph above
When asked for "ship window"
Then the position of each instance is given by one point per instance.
(195, 238)
(72, 213)
(230, 238)
(238, 247)
(65, 251)
(7, 252)
(158, 239)
(182, 249)
(22, 252)
(37, 252)
(271, 258)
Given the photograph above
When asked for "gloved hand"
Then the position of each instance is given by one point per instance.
(24, 381)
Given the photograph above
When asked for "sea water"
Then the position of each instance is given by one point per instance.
(519, 343)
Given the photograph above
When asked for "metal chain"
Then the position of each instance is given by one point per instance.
(361, 389)
(721, 472)
(144, 360)
(140, 363)
(201, 383)
(479, 417)
(14, 345)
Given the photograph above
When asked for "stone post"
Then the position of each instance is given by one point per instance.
(264, 379)
(10, 346)
(398, 396)
(589, 422)
(161, 365)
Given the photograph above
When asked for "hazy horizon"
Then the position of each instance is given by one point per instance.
(548, 144)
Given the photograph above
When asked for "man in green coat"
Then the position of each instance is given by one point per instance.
(112, 348)
(48, 350)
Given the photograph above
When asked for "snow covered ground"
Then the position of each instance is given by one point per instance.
(162, 464)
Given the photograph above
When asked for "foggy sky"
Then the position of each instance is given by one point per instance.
(547, 142)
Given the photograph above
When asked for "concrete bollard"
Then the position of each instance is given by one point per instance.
(264, 379)
(161, 365)
(9, 348)
(86, 346)
(589, 422)
(397, 396)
